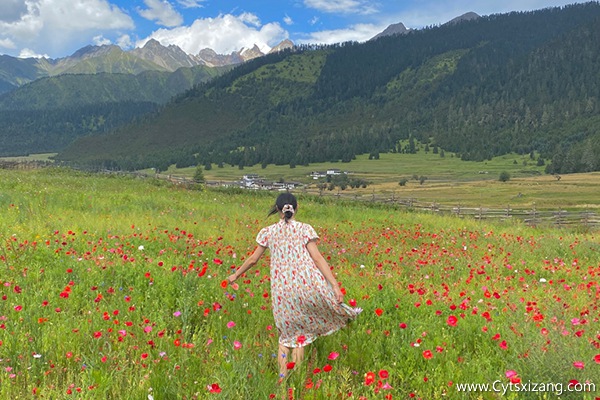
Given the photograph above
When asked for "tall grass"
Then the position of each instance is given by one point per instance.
(110, 289)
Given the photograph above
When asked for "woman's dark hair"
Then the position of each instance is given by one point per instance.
(282, 200)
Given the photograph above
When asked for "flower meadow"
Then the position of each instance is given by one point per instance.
(114, 288)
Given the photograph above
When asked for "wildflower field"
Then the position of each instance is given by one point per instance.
(113, 288)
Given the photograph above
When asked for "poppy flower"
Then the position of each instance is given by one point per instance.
(214, 388)
(579, 364)
(290, 365)
(224, 283)
(597, 358)
(383, 374)
(369, 378)
(333, 355)
(452, 320)
(427, 354)
(327, 368)
(379, 311)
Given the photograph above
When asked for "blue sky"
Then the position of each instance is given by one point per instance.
(57, 28)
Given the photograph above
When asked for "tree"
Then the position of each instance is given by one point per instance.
(199, 175)
(504, 176)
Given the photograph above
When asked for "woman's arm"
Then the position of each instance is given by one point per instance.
(248, 263)
(322, 265)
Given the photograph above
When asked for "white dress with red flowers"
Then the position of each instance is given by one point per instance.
(304, 304)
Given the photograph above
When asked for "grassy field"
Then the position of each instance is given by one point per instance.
(449, 181)
(110, 288)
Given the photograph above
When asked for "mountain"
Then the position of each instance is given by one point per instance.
(523, 82)
(465, 17)
(49, 113)
(284, 45)
(153, 56)
(168, 57)
(394, 29)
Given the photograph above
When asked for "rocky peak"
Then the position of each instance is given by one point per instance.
(394, 29)
(286, 44)
(249, 54)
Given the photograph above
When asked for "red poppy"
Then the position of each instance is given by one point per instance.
(383, 374)
(214, 388)
(224, 283)
(327, 368)
(452, 320)
(369, 378)
(290, 365)
(379, 311)
(427, 354)
(597, 358)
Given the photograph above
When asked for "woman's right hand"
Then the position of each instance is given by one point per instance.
(339, 295)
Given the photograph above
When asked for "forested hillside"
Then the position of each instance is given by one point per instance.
(48, 114)
(523, 82)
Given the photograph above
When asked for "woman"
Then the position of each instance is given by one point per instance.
(307, 301)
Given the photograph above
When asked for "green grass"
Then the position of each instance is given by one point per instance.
(450, 181)
(109, 289)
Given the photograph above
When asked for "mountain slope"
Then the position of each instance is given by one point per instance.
(512, 82)
(49, 113)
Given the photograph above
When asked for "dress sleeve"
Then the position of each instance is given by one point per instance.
(263, 237)
(309, 234)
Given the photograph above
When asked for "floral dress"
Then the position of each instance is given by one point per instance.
(304, 304)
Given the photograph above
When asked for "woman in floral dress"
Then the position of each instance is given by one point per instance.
(307, 301)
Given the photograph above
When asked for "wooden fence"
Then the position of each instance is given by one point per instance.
(587, 218)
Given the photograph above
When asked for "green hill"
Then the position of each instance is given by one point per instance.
(522, 81)
(48, 114)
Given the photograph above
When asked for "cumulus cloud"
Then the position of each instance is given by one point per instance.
(100, 40)
(162, 12)
(55, 25)
(12, 10)
(342, 6)
(224, 34)
(354, 33)
(27, 53)
(125, 42)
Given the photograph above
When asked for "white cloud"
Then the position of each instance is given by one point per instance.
(27, 53)
(224, 34)
(12, 10)
(124, 42)
(100, 40)
(250, 19)
(191, 3)
(342, 6)
(354, 33)
(313, 20)
(288, 20)
(7, 44)
(58, 25)
(162, 12)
